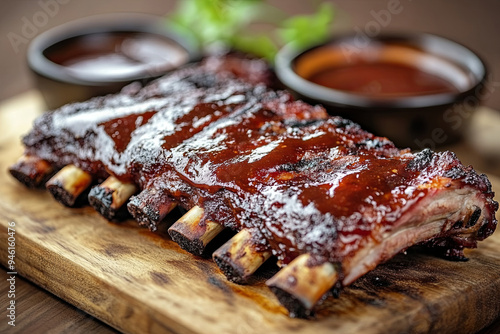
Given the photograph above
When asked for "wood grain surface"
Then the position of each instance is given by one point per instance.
(138, 281)
(39, 311)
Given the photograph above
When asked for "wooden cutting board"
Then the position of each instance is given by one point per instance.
(139, 282)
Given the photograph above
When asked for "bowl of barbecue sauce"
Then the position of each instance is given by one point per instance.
(101, 54)
(416, 89)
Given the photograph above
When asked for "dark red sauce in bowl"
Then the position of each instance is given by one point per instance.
(382, 79)
(116, 56)
(99, 55)
(399, 86)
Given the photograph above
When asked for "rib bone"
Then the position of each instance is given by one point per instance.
(150, 207)
(67, 185)
(32, 171)
(109, 198)
(239, 257)
(193, 233)
(302, 283)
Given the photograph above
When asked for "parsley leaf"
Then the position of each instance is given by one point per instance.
(306, 30)
(229, 22)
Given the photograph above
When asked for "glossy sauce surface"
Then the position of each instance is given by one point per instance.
(382, 79)
(381, 70)
(117, 55)
(252, 157)
(294, 173)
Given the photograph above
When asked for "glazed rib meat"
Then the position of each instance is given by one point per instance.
(298, 182)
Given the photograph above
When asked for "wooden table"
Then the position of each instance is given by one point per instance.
(39, 310)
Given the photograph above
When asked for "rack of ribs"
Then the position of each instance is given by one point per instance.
(329, 200)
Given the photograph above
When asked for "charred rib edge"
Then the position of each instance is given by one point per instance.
(193, 233)
(109, 197)
(31, 171)
(68, 184)
(239, 257)
(301, 284)
(150, 207)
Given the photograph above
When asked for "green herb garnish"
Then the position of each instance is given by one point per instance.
(232, 23)
(306, 30)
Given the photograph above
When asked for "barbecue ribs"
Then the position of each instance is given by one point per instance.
(329, 200)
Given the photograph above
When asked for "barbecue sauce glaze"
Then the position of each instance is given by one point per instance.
(252, 157)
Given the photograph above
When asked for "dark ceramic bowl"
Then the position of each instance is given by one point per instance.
(100, 54)
(416, 121)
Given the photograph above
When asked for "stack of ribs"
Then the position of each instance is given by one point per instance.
(328, 200)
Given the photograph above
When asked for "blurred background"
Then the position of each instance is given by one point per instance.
(474, 24)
